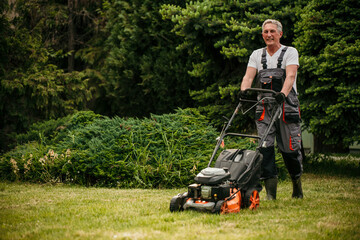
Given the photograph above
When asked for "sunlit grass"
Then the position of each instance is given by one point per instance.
(330, 210)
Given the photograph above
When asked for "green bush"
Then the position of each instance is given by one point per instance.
(52, 131)
(89, 149)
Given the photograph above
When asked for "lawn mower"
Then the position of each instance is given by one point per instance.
(234, 181)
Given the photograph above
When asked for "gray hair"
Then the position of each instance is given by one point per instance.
(277, 23)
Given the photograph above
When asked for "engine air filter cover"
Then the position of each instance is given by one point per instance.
(212, 176)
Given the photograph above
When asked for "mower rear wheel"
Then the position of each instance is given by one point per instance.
(251, 199)
(254, 200)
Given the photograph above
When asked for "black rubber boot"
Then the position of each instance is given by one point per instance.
(297, 189)
(271, 188)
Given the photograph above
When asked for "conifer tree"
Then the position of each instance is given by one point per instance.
(144, 71)
(329, 47)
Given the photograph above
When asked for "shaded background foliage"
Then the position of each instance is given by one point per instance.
(145, 72)
(133, 58)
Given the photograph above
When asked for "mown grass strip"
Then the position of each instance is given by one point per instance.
(330, 210)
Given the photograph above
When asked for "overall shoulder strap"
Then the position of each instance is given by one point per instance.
(281, 57)
(263, 59)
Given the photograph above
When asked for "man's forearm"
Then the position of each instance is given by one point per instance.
(248, 78)
(245, 84)
(288, 84)
(290, 79)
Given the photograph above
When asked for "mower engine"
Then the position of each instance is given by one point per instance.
(210, 187)
(212, 193)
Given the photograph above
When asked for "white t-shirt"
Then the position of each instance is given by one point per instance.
(291, 57)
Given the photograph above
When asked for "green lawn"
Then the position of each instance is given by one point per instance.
(330, 210)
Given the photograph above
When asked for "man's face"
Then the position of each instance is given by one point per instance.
(271, 35)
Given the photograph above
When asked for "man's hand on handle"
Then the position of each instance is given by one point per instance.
(280, 97)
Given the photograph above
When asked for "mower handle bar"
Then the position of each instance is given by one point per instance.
(260, 90)
(242, 135)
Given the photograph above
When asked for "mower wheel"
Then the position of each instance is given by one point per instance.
(252, 199)
(217, 209)
(175, 203)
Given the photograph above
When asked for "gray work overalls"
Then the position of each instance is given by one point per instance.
(286, 129)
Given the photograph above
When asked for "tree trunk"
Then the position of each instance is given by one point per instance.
(71, 37)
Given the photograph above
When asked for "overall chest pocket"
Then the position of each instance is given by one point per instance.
(272, 79)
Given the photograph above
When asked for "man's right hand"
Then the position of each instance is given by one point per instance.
(243, 94)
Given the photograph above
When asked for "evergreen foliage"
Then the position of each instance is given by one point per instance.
(33, 84)
(329, 47)
(144, 71)
(86, 148)
(35, 89)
